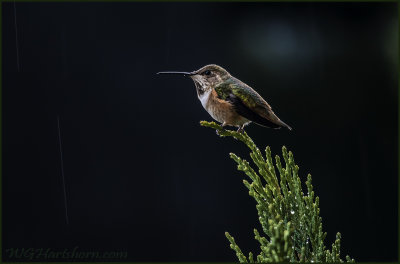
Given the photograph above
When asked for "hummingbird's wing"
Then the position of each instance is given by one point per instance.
(248, 103)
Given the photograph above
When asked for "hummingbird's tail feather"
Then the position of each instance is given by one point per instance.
(283, 124)
(276, 124)
(271, 118)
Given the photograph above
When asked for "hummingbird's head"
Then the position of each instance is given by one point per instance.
(205, 78)
(208, 77)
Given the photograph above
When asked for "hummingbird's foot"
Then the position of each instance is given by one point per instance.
(240, 129)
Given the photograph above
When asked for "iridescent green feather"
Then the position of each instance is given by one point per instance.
(245, 93)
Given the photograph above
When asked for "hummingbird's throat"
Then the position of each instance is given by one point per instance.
(202, 85)
(199, 89)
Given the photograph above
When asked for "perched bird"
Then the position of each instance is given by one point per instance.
(229, 100)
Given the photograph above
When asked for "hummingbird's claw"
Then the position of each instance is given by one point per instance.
(240, 130)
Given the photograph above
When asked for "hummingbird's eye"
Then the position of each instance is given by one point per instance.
(207, 72)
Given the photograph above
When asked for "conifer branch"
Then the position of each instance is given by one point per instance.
(289, 219)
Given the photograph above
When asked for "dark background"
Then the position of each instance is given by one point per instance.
(141, 175)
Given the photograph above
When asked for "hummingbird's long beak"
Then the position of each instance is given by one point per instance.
(173, 72)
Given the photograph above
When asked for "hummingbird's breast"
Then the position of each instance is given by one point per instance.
(221, 110)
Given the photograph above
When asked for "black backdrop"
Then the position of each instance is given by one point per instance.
(141, 175)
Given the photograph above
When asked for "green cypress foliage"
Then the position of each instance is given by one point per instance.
(290, 221)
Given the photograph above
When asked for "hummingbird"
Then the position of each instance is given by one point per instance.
(229, 100)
